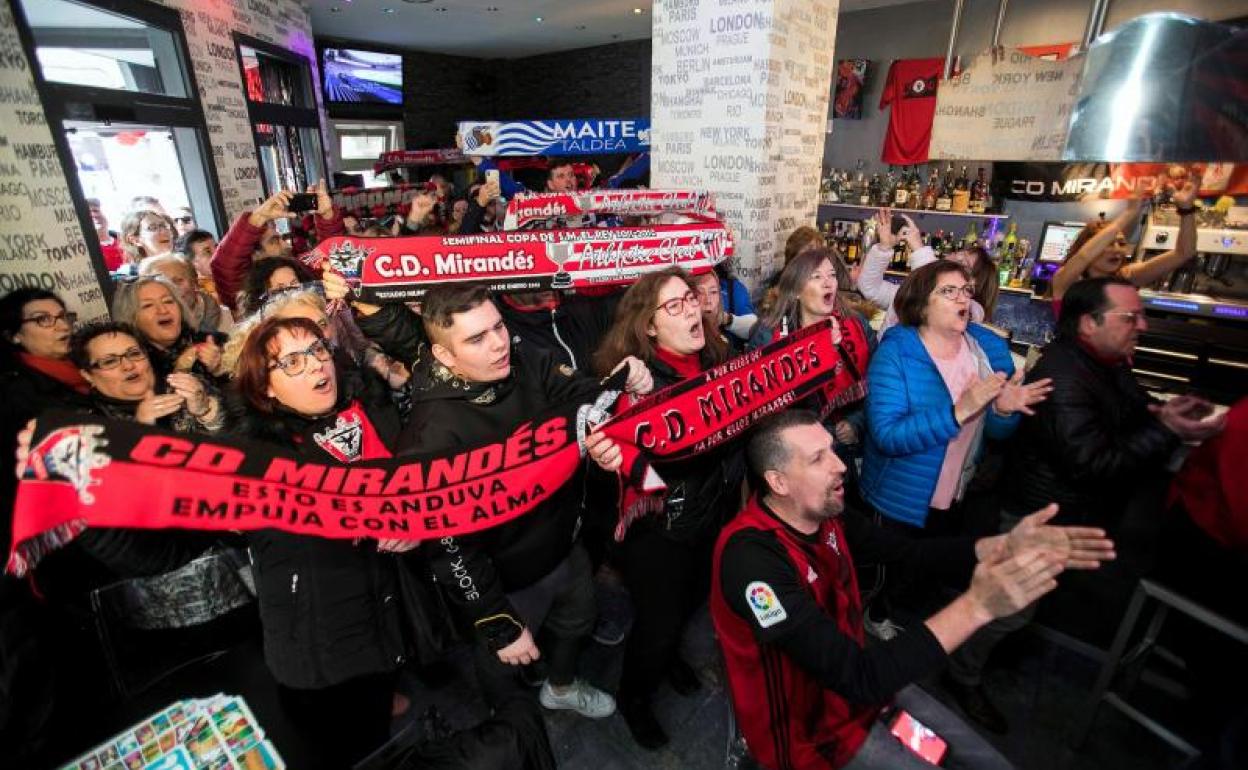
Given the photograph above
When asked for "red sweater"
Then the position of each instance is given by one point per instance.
(233, 257)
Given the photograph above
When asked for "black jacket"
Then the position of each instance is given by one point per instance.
(704, 491)
(331, 609)
(24, 394)
(571, 330)
(1091, 444)
(478, 570)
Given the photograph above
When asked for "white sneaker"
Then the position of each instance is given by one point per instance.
(884, 630)
(581, 697)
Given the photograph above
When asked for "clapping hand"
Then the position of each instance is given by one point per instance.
(1076, 547)
(1018, 397)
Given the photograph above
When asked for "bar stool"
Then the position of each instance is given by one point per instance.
(1146, 594)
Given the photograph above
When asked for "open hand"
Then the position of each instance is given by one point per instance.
(1017, 397)
(1075, 547)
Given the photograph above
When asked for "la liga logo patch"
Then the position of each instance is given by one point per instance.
(764, 603)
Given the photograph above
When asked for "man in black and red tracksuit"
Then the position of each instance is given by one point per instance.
(786, 609)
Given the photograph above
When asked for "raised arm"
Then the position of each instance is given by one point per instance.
(1145, 272)
(1078, 263)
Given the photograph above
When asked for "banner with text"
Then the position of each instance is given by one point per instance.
(531, 208)
(1063, 182)
(398, 269)
(404, 158)
(553, 137)
(1015, 107)
(94, 472)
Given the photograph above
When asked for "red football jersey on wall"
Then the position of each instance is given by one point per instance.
(911, 90)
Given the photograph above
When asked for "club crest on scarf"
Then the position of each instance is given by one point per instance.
(343, 440)
(346, 258)
(71, 454)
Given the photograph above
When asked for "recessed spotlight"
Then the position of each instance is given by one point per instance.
(580, 27)
(538, 19)
(335, 9)
(636, 10)
(492, 8)
(440, 10)
(387, 10)
(615, 37)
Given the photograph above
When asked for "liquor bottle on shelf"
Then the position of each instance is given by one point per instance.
(866, 238)
(1005, 265)
(928, 201)
(971, 239)
(961, 193)
(860, 186)
(1022, 275)
(979, 193)
(944, 201)
(916, 189)
(901, 192)
(1011, 238)
(875, 190)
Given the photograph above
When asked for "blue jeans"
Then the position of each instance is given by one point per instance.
(967, 749)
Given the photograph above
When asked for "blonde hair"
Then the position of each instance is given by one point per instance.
(151, 266)
(238, 335)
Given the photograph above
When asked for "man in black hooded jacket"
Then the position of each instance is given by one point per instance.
(510, 581)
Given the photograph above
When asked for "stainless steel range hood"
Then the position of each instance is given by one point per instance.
(1163, 87)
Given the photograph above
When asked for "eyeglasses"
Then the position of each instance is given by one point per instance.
(1133, 316)
(294, 364)
(47, 320)
(952, 292)
(134, 354)
(156, 228)
(676, 305)
(184, 220)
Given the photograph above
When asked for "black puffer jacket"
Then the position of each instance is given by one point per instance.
(331, 609)
(704, 491)
(478, 570)
(1091, 444)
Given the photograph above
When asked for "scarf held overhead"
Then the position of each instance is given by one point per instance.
(400, 269)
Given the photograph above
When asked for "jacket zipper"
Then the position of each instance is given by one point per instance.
(555, 326)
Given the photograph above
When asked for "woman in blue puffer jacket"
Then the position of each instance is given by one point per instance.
(939, 383)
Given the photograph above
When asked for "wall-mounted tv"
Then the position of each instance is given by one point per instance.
(362, 77)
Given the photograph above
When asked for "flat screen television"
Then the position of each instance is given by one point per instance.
(353, 76)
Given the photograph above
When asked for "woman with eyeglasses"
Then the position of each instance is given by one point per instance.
(666, 557)
(144, 234)
(154, 307)
(1101, 248)
(809, 291)
(37, 373)
(334, 635)
(939, 384)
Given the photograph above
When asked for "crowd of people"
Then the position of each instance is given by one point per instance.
(833, 543)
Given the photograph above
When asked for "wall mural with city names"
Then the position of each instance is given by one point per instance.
(739, 106)
(41, 243)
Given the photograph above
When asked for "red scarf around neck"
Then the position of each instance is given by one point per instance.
(685, 365)
(60, 369)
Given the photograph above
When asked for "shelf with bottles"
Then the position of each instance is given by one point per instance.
(904, 190)
(1011, 255)
(919, 212)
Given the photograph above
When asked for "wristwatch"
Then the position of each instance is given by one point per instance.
(1186, 212)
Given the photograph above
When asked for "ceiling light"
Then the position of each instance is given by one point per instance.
(636, 10)
(580, 26)
(440, 10)
(492, 9)
(387, 10)
(335, 9)
(538, 19)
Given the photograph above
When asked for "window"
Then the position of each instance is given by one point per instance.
(361, 143)
(282, 108)
(93, 57)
